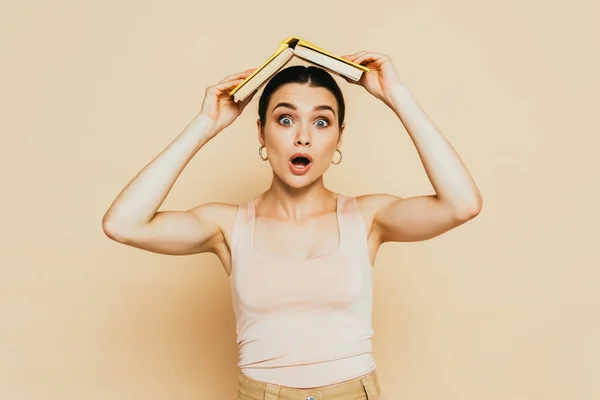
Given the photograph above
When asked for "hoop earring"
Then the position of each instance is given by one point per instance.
(338, 161)
(260, 153)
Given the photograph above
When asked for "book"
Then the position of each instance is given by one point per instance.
(287, 49)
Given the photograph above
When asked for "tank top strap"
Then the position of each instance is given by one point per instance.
(351, 226)
(352, 223)
(241, 227)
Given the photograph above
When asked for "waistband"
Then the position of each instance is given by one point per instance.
(367, 385)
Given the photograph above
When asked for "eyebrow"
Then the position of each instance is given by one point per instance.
(315, 108)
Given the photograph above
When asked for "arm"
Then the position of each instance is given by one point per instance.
(133, 217)
(457, 198)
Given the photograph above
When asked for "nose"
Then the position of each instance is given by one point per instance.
(303, 137)
(303, 142)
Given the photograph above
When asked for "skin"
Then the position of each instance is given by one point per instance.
(299, 208)
(293, 126)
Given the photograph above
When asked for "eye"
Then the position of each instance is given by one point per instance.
(285, 120)
(325, 123)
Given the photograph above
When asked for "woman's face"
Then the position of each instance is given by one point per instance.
(301, 132)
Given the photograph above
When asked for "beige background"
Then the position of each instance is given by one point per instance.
(501, 308)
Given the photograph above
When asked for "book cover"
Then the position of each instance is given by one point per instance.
(291, 42)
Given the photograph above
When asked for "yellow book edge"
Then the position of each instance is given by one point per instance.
(325, 52)
(293, 41)
(282, 46)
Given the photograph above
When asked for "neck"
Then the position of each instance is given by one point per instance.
(285, 202)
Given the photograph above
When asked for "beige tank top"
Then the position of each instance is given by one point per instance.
(303, 323)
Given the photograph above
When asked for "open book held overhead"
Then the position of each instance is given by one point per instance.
(290, 47)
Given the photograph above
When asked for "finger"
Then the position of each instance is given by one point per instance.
(368, 57)
(227, 85)
(243, 74)
(352, 57)
(238, 75)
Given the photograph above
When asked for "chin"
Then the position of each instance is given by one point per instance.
(297, 181)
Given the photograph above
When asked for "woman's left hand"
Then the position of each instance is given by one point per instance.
(381, 77)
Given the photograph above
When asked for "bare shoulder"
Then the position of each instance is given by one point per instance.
(215, 211)
(220, 214)
(370, 204)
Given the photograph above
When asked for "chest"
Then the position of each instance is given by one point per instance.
(316, 237)
(263, 286)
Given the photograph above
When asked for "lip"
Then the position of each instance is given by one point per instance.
(300, 170)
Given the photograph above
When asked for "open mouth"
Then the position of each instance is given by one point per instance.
(300, 163)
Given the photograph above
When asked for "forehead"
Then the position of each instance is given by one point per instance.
(303, 96)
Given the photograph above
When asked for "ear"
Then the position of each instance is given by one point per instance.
(261, 134)
(341, 137)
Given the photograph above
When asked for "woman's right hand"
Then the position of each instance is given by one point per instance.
(218, 106)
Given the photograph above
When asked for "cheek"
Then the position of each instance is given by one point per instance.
(325, 143)
(276, 142)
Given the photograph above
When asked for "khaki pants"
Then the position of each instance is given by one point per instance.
(365, 388)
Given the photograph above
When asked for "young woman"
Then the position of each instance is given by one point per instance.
(299, 256)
